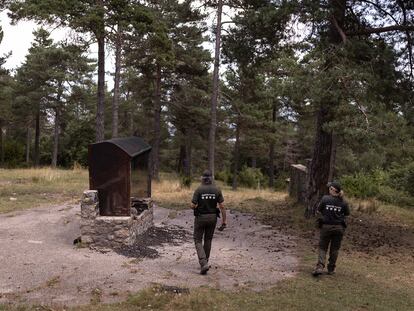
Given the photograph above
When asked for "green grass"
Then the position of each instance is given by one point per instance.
(27, 188)
(356, 286)
(364, 281)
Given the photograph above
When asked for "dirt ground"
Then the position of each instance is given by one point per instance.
(40, 264)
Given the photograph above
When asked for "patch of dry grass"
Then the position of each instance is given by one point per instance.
(27, 188)
(170, 194)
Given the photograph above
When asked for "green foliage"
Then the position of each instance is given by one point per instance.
(75, 143)
(360, 185)
(14, 153)
(393, 196)
(393, 186)
(280, 182)
(186, 181)
(224, 176)
(251, 177)
(402, 178)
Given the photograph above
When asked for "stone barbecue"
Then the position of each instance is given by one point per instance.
(118, 207)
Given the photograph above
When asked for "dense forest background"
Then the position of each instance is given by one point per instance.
(324, 83)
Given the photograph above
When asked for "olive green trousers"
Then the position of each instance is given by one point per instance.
(330, 237)
(204, 226)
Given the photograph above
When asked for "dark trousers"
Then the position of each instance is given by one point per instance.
(204, 226)
(330, 236)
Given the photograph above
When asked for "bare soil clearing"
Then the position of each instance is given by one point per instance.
(40, 264)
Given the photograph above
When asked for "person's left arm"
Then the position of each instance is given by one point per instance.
(346, 210)
(220, 201)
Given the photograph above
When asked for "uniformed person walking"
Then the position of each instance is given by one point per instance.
(333, 209)
(205, 200)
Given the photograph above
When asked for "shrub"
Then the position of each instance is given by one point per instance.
(402, 178)
(280, 181)
(361, 185)
(186, 181)
(388, 186)
(251, 177)
(224, 176)
(393, 196)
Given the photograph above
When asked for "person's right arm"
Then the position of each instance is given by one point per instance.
(194, 200)
(321, 205)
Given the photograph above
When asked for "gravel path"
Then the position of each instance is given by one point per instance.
(40, 264)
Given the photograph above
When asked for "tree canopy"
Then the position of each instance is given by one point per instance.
(243, 87)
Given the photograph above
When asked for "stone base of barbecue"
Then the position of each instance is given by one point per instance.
(112, 231)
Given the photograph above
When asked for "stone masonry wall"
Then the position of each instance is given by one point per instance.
(111, 231)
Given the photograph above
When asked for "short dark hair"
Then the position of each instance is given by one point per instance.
(207, 177)
(207, 173)
(336, 185)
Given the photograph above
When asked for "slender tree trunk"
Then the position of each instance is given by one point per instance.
(322, 153)
(131, 123)
(181, 160)
(272, 152)
(56, 137)
(214, 97)
(1, 144)
(130, 119)
(157, 124)
(271, 165)
(57, 127)
(236, 156)
(254, 162)
(28, 143)
(37, 139)
(117, 78)
(333, 159)
(100, 109)
(188, 153)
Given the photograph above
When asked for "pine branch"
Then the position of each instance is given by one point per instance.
(382, 10)
(377, 30)
(339, 29)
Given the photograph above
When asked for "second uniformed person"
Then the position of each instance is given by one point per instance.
(205, 200)
(333, 210)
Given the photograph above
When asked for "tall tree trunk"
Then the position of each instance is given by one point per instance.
(117, 78)
(322, 153)
(157, 124)
(188, 153)
(333, 158)
(131, 123)
(214, 97)
(130, 112)
(181, 159)
(100, 109)
(56, 137)
(236, 156)
(254, 162)
(37, 139)
(28, 143)
(272, 151)
(57, 127)
(1, 144)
